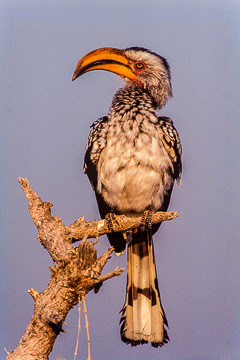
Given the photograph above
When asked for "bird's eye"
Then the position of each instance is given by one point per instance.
(139, 65)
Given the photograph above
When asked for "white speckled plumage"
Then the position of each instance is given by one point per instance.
(134, 169)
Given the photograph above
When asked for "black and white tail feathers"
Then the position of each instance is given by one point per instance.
(143, 318)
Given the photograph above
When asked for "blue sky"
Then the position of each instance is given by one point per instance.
(43, 131)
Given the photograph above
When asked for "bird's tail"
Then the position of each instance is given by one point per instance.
(143, 318)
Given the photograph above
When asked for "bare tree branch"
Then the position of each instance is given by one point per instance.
(94, 229)
(77, 271)
(80, 227)
(51, 231)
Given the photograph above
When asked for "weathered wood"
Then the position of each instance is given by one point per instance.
(77, 271)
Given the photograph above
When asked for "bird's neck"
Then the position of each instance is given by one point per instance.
(130, 101)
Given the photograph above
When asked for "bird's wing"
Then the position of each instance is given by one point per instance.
(95, 144)
(172, 145)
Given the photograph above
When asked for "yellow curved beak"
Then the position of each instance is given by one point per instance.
(109, 59)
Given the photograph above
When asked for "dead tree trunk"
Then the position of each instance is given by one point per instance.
(77, 270)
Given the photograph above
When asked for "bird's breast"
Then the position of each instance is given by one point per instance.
(133, 169)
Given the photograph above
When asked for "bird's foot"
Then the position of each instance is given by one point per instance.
(146, 221)
(110, 219)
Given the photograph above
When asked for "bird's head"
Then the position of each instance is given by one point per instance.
(136, 65)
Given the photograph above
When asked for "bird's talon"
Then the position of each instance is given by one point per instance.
(110, 219)
(146, 221)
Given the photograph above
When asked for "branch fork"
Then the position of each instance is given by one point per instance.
(77, 271)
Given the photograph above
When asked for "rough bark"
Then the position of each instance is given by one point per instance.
(77, 271)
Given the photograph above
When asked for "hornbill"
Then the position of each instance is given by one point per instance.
(132, 158)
